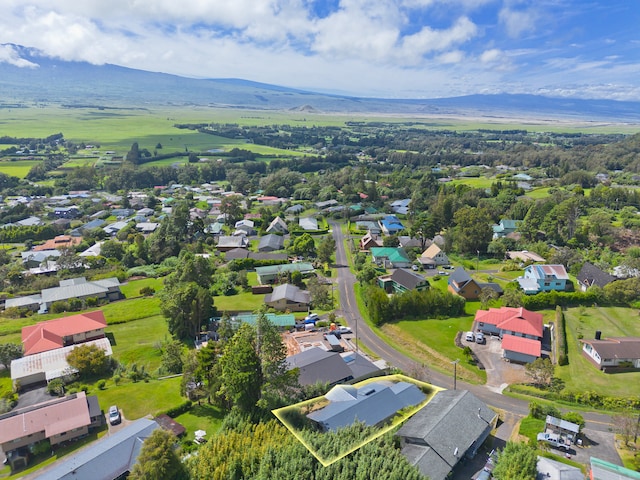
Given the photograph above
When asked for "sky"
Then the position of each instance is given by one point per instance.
(365, 48)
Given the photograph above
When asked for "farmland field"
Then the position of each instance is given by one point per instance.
(17, 168)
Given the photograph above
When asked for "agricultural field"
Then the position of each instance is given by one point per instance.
(17, 168)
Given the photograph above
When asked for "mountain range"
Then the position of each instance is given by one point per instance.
(77, 84)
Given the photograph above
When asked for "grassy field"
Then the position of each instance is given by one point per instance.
(580, 374)
(201, 417)
(142, 398)
(132, 288)
(134, 342)
(18, 168)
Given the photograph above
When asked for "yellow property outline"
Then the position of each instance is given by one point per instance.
(397, 420)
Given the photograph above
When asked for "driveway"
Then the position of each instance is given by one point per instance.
(33, 397)
(500, 373)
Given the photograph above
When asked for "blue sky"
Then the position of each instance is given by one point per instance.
(378, 48)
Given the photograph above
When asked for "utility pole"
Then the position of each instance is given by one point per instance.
(455, 371)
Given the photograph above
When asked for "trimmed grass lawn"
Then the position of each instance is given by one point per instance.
(581, 374)
(530, 427)
(134, 309)
(134, 342)
(5, 382)
(242, 302)
(139, 399)
(132, 288)
(201, 417)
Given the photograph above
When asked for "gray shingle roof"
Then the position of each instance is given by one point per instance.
(270, 243)
(317, 365)
(288, 292)
(591, 275)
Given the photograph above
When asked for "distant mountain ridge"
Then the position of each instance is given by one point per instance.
(105, 86)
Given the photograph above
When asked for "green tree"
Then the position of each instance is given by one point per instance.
(423, 229)
(89, 360)
(472, 232)
(232, 209)
(8, 352)
(172, 356)
(158, 458)
(240, 370)
(133, 155)
(186, 306)
(540, 371)
(304, 246)
(517, 461)
(326, 249)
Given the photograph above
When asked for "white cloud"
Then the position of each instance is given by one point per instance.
(518, 22)
(429, 40)
(8, 54)
(455, 56)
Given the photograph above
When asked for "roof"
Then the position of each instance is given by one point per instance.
(563, 424)
(236, 253)
(78, 287)
(554, 470)
(512, 319)
(407, 278)
(431, 251)
(50, 335)
(601, 470)
(271, 242)
(308, 223)
(374, 403)
(546, 271)
(591, 275)
(525, 256)
(53, 363)
(393, 254)
(391, 223)
(279, 224)
(53, 417)
(60, 241)
(526, 346)
(616, 347)
(453, 419)
(227, 241)
(23, 301)
(459, 276)
(288, 292)
(318, 365)
(303, 267)
(168, 423)
(279, 320)
(105, 459)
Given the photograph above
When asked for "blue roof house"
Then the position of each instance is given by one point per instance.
(391, 225)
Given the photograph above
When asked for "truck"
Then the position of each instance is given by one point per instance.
(554, 440)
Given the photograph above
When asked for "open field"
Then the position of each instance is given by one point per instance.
(580, 374)
(17, 168)
(135, 342)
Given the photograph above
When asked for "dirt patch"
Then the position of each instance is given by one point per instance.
(292, 345)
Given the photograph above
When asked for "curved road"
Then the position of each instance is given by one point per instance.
(349, 309)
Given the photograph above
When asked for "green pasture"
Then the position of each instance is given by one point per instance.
(80, 162)
(136, 342)
(581, 374)
(139, 399)
(17, 168)
(474, 182)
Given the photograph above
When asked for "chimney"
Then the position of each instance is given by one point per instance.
(598, 334)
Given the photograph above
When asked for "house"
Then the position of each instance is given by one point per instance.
(401, 207)
(543, 278)
(308, 223)
(62, 332)
(270, 273)
(403, 280)
(66, 212)
(236, 254)
(93, 251)
(59, 241)
(30, 222)
(406, 241)
(58, 420)
(145, 212)
(122, 212)
(295, 209)
(391, 225)
(369, 226)
(288, 297)
(372, 404)
(147, 227)
(226, 242)
(504, 228)
(601, 470)
(246, 226)
(448, 429)
(433, 257)
(590, 276)
(270, 243)
(325, 204)
(115, 227)
(461, 283)
(613, 353)
(369, 240)
(520, 330)
(32, 259)
(317, 365)
(524, 256)
(106, 289)
(41, 368)
(278, 225)
(108, 458)
(390, 257)
(554, 470)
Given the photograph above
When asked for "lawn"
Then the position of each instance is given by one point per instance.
(142, 398)
(133, 309)
(242, 302)
(18, 168)
(580, 374)
(530, 427)
(201, 417)
(135, 342)
(132, 288)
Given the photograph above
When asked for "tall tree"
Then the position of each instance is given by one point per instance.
(187, 306)
(158, 458)
(9, 352)
(473, 232)
(133, 155)
(423, 229)
(517, 461)
(88, 360)
(241, 371)
(326, 249)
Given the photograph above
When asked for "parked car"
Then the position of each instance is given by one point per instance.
(479, 337)
(470, 337)
(415, 268)
(342, 329)
(312, 317)
(114, 415)
(442, 272)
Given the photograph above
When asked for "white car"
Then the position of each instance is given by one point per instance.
(470, 337)
(313, 317)
(343, 330)
(114, 415)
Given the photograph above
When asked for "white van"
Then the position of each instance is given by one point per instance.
(470, 337)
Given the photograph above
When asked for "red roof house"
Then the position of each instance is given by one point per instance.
(61, 332)
(520, 349)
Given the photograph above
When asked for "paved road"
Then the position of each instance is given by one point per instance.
(363, 333)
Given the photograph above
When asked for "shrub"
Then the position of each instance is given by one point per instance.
(184, 407)
(101, 384)
(56, 387)
(147, 291)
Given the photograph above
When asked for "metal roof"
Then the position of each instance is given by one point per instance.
(601, 470)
